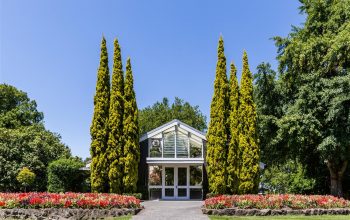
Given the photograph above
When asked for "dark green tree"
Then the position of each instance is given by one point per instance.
(28, 146)
(314, 66)
(218, 132)
(233, 158)
(115, 124)
(24, 141)
(248, 146)
(99, 126)
(269, 101)
(131, 133)
(16, 109)
(162, 112)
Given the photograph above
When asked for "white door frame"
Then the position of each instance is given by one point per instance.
(175, 187)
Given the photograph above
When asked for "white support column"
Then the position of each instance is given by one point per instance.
(162, 144)
(188, 144)
(175, 140)
(202, 149)
(188, 182)
(163, 181)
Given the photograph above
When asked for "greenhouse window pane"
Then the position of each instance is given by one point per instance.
(156, 148)
(155, 175)
(181, 145)
(195, 150)
(169, 145)
(196, 175)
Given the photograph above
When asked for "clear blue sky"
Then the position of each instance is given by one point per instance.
(50, 49)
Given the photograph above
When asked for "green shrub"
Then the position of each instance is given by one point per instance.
(289, 177)
(26, 177)
(64, 175)
(211, 195)
(136, 195)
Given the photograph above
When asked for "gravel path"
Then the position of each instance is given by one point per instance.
(171, 210)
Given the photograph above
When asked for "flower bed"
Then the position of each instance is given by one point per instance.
(67, 200)
(263, 205)
(276, 202)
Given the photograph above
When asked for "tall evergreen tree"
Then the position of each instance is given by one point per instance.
(233, 158)
(98, 129)
(131, 133)
(218, 132)
(115, 124)
(248, 146)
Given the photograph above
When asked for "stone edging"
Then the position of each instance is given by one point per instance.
(65, 213)
(267, 212)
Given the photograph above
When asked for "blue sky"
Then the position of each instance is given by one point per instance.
(50, 49)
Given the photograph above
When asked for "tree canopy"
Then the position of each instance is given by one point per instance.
(24, 141)
(314, 63)
(16, 109)
(160, 113)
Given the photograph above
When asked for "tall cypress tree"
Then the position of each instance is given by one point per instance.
(248, 146)
(115, 124)
(98, 129)
(217, 132)
(233, 158)
(131, 133)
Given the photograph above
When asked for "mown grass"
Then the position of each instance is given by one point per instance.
(294, 217)
(127, 217)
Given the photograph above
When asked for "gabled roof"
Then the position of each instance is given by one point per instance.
(171, 124)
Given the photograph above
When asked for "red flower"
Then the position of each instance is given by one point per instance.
(68, 203)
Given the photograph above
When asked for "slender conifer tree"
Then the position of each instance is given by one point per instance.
(233, 158)
(218, 132)
(98, 129)
(248, 146)
(131, 133)
(115, 124)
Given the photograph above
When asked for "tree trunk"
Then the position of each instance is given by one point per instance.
(337, 177)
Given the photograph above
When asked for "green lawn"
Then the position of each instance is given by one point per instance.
(128, 217)
(295, 217)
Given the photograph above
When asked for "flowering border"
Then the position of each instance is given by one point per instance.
(35, 200)
(268, 212)
(288, 201)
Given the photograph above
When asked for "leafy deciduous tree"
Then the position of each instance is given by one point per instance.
(24, 141)
(161, 112)
(314, 64)
(16, 109)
